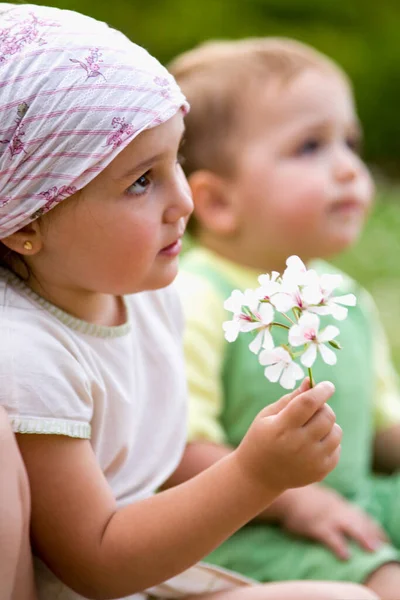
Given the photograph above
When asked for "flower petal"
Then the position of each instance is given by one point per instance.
(266, 313)
(251, 299)
(290, 375)
(231, 329)
(294, 262)
(327, 354)
(330, 282)
(273, 372)
(309, 356)
(319, 310)
(328, 334)
(347, 300)
(309, 321)
(268, 342)
(296, 336)
(283, 302)
(312, 294)
(246, 326)
(270, 357)
(255, 345)
(338, 312)
(235, 302)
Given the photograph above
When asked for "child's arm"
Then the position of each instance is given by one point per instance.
(16, 574)
(313, 511)
(101, 551)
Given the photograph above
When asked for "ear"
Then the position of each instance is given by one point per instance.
(214, 208)
(26, 241)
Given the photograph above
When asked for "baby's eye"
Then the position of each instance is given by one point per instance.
(309, 147)
(354, 143)
(140, 186)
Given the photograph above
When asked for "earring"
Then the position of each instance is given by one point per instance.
(28, 245)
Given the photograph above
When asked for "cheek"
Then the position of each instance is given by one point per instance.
(295, 195)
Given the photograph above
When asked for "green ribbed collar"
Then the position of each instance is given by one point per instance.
(100, 331)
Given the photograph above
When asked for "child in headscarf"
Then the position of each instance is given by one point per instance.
(93, 206)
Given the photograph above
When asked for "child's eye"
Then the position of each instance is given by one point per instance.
(309, 147)
(140, 186)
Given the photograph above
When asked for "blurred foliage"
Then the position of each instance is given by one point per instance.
(374, 262)
(361, 35)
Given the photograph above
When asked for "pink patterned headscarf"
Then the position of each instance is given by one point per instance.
(73, 94)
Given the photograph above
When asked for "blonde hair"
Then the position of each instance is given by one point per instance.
(218, 77)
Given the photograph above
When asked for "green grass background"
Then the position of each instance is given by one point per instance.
(375, 262)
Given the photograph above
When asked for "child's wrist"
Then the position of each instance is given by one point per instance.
(259, 489)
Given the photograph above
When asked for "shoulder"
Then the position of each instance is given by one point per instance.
(156, 310)
(36, 349)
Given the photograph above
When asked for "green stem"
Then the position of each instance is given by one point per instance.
(312, 382)
(297, 312)
(288, 318)
(279, 325)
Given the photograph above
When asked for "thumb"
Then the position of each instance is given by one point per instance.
(276, 407)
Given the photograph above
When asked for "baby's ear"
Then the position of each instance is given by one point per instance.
(214, 210)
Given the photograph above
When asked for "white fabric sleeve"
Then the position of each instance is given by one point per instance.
(43, 386)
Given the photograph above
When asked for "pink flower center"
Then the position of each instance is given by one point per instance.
(298, 300)
(244, 317)
(310, 335)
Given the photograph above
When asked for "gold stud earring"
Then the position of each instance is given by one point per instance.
(28, 245)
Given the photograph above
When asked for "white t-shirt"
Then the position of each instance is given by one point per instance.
(122, 387)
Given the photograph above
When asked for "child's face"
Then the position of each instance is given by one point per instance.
(300, 183)
(122, 234)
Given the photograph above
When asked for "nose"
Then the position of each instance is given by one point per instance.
(347, 165)
(181, 204)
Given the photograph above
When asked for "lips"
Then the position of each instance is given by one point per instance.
(349, 206)
(172, 249)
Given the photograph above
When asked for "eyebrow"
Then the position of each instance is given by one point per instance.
(142, 166)
(148, 162)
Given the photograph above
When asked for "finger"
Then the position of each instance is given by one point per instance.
(328, 463)
(359, 532)
(366, 532)
(335, 541)
(276, 407)
(298, 412)
(332, 440)
(321, 424)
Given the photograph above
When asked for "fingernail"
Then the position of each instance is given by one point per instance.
(375, 545)
(328, 385)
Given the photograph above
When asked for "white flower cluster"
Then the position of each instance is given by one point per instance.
(304, 294)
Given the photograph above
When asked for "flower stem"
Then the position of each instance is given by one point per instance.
(312, 382)
(288, 318)
(279, 325)
(297, 312)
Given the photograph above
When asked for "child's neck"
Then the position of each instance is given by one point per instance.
(98, 309)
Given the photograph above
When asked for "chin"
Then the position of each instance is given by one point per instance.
(161, 280)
